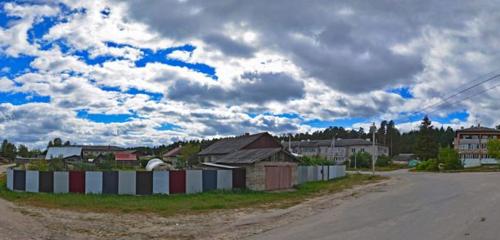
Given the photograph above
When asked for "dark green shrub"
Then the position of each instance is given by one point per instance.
(450, 159)
(362, 160)
(313, 161)
(383, 161)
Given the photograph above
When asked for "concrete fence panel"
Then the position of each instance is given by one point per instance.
(224, 179)
(160, 182)
(177, 181)
(110, 182)
(144, 183)
(126, 182)
(61, 182)
(32, 178)
(209, 180)
(93, 182)
(46, 182)
(10, 179)
(194, 181)
(20, 180)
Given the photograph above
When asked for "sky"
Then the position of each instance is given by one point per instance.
(135, 72)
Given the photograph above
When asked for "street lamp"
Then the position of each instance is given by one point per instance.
(373, 129)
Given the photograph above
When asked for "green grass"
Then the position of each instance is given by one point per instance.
(177, 204)
(388, 168)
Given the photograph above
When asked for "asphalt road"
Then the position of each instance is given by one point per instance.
(414, 206)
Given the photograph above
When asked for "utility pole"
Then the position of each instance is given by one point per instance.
(374, 129)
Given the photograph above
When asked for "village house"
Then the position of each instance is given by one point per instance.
(92, 151)
(471, 145)
(172, 155)
(267, 164)
(126, 158)
(67, 153)
(343, 148)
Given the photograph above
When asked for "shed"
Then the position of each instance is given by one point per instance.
(267, 165)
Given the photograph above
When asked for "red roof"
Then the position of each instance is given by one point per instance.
(125, 156)
(173, 153)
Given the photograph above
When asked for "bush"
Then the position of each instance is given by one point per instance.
(56, 164)
(450, 159)
(383, 161)
(38, 165)
(144, 162)
(362, 160)
(313, 161)
(429, 165)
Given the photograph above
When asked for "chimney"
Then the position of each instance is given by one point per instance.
(247, 134)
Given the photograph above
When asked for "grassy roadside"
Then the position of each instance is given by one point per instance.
(391, 167)
(177, 204)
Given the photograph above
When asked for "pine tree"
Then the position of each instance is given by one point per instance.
(426, 145)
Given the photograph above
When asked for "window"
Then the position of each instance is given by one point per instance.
(353, 150)
(362, 150)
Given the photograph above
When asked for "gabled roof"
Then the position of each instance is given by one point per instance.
(174, 152)
(228, 145)
(64, 152)
(100, 148)
(125, 156)
(247, 156)
(478, 129)
(328, 143)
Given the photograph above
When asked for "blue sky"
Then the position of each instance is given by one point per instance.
(159, 76)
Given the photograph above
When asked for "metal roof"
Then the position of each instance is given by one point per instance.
(328, 143)
(478, 129)
(64, 152)
(229, 145)
(247, 156)
(174, 152)
(125, 156)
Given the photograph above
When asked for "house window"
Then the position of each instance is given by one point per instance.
(353, 150)
(362, 150)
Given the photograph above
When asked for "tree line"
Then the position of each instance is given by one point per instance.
(424, 141)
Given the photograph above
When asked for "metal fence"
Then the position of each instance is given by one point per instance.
(319, 173)
(122, 182)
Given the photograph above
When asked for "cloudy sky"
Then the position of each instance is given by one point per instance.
(152, 72)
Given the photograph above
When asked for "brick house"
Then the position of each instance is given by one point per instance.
(267, 164)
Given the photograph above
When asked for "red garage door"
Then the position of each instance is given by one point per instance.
(278, 177)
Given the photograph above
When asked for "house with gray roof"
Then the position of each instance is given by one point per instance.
(66, 153)
(339, 150)
(268, 166)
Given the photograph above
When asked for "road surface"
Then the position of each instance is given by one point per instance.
(416, 206)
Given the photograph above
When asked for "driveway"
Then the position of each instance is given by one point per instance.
(417, 206)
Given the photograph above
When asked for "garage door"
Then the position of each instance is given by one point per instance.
(278, 177)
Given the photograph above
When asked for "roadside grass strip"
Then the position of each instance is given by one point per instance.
(184, 204)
